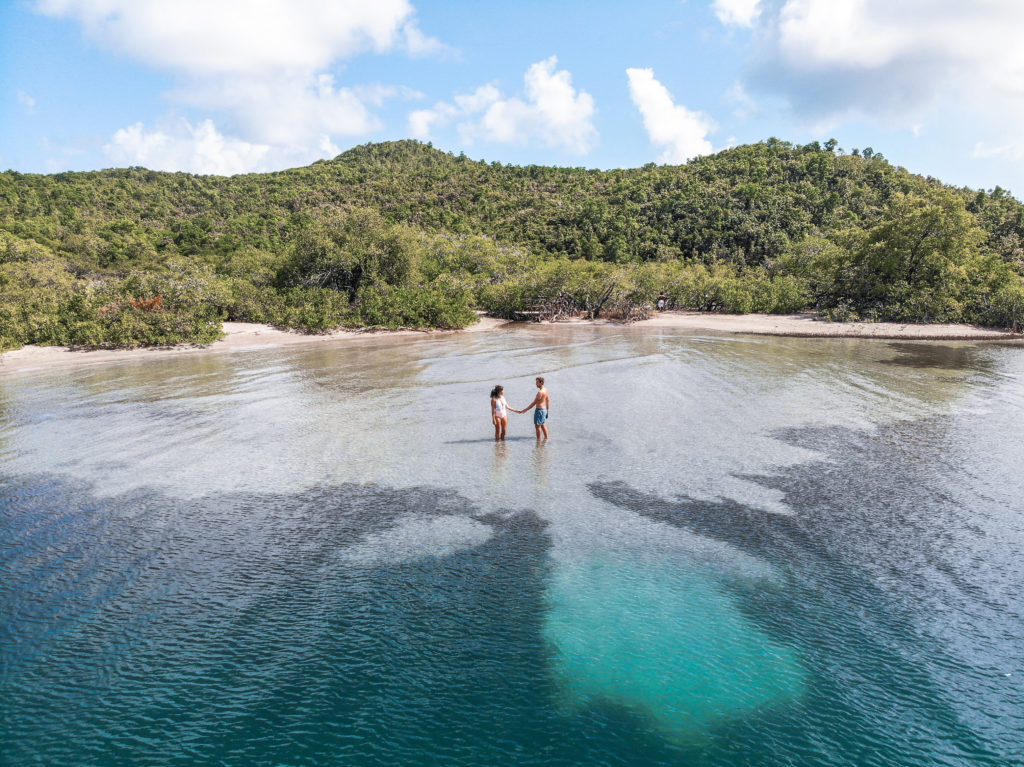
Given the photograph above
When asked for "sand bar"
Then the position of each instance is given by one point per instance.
(237, 336)
(811, 326)
(247, 335)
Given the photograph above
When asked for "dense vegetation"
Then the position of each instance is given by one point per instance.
(400, 234)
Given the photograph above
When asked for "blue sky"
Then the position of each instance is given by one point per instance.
(230, 86)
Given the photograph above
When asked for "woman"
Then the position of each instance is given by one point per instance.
(499, 412)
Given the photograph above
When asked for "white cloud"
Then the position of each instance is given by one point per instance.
(899, 64)
(185, 147)
(813, 33)
(231, 37)
(271, 123)
(737, 12)
(423, 121)
(888, 59)
(27, 101)
(1013, 150)
(285, 111)
(681, 132)
(256, 66)
(552, 113)
(419, 44)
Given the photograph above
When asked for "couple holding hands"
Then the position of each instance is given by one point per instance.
(500, 408)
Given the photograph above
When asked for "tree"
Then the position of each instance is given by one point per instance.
(913, 264)
(344, 254)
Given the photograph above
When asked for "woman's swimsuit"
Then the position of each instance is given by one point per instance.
(499, 408)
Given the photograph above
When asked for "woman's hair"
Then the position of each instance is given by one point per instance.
(497, 390)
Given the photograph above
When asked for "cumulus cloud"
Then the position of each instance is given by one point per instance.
(681, 132)
(419, 44)
(290, 111)
(891, 60)
(739, 13)
(216, 37)
(257, 67)
(184, 147)
(552, 112)
(422, 122)
(900, 64)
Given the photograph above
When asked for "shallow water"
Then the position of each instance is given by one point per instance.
(733, 551)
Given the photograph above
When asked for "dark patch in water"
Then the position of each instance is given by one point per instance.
(874, 555)
(144, 629)
(970, 357)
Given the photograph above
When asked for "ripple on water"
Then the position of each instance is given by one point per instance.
(263, 567)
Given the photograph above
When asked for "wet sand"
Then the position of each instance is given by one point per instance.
(246, 335)
(810, 326)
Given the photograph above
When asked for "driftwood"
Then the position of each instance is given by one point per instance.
(551, 309)
(565, 306)
(595, 311)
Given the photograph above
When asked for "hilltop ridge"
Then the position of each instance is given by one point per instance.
(821, 227)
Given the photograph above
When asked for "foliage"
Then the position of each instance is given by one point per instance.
(920, 263)
(401, 235)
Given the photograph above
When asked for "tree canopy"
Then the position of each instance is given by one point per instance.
(400, 233)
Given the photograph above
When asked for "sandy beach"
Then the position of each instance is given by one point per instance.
(245, 335)
(237, 336)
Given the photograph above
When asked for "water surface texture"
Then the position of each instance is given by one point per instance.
(733, 551)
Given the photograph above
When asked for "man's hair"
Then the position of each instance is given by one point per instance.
(541, 379)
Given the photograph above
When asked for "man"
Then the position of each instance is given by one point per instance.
(543, 404)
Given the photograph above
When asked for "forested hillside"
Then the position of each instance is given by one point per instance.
(401, 234)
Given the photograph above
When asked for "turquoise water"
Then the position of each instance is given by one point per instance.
(733, 551)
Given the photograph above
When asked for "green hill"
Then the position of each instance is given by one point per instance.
(400, 233)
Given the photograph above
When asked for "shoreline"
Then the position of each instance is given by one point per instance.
(247, 335)
(238, 336)
(811, 326)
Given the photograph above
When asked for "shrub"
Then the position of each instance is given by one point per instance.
(439, 304)
(1006, 308)
(313, 310)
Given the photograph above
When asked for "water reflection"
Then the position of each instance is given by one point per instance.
(500, 460)
(541, 463)
(963, 356)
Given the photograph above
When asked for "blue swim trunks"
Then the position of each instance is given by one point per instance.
(540, 416)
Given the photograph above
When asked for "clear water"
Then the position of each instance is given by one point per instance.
(733, 551)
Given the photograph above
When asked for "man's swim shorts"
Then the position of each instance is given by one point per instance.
(540, 416)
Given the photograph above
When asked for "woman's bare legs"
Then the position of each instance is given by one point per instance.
(500, 424)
